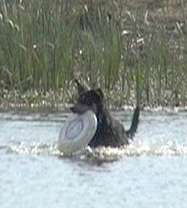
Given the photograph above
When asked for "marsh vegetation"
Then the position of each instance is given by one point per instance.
(136, 51)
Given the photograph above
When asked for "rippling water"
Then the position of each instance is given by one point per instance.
(151, 172)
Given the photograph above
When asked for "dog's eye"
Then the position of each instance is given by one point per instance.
(82, 97)
(89, 102)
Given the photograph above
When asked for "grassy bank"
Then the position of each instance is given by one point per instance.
(135, 50)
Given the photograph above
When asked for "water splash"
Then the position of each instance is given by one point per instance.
(34, 149)
(105, 154)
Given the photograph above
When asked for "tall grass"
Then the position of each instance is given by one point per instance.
(136, 51)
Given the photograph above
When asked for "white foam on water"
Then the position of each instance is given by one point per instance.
(102, 153)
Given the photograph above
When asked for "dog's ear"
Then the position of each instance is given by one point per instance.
(81, 88)
(100, 93)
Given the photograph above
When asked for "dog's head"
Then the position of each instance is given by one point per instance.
(89, 100)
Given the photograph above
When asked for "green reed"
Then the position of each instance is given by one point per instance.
(135, 51)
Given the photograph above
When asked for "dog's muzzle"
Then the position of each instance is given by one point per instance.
(79, 108)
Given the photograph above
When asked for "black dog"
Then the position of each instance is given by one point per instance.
(110, 132)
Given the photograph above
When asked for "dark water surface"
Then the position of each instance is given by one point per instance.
(151, 172)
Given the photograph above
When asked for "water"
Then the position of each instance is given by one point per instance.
(151, 172)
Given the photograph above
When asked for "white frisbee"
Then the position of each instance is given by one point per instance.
(77, 132)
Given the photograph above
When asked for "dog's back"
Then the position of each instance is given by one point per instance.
(110, 132)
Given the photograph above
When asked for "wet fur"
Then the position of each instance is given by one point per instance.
(110, 132)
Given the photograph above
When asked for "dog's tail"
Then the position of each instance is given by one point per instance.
(134, 124)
